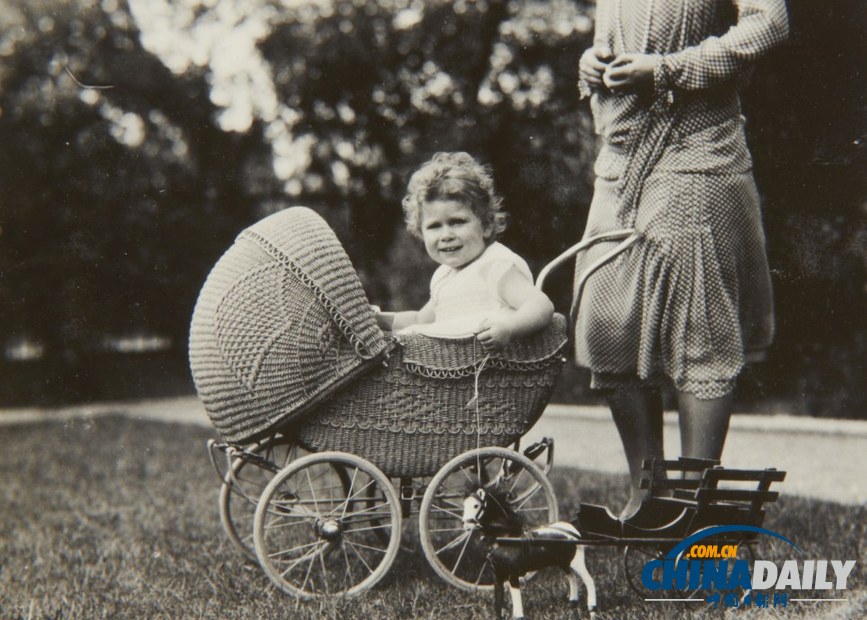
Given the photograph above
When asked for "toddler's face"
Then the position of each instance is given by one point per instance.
(453, 234)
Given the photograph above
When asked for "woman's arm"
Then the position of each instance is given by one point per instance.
(761, 24)
(533, 312)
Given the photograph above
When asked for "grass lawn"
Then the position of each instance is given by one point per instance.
(117, 518)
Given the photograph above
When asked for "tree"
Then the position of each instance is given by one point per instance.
(146, 136)
(378, 88)
(119, 189)
(807, 109)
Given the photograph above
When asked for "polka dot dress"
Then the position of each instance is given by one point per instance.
(692, 300)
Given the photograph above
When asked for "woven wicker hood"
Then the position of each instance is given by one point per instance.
(281, 322)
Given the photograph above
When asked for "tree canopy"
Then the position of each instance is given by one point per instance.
(140, 137)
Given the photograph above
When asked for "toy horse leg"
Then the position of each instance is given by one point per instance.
(515, 591)
(579, 567)
(572, 576)
(499, 586)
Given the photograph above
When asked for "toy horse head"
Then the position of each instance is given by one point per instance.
(490, 509)
(474, 509)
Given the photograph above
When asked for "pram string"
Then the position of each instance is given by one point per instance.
(475, 401)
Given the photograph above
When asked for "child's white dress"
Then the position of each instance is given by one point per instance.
(463, 298)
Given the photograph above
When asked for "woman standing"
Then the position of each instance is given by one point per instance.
(691, 302)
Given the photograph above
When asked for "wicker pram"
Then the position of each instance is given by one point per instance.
(283, 339)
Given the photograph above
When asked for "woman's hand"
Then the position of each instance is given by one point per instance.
(592, 65)
(629, 71)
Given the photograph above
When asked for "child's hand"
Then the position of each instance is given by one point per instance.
(494, 335)
(384, 320)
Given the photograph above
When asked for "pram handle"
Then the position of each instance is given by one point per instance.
(628, 236)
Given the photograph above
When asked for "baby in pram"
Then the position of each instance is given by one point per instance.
(482, 288)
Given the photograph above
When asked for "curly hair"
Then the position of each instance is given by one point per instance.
(454, 176)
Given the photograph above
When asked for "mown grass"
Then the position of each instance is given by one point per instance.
(117, 518)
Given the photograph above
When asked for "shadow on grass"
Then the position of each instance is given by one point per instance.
(118, 518)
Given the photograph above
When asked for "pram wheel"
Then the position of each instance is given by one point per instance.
(315, 537)
(459, 556)
(250, 474)
(239, 493)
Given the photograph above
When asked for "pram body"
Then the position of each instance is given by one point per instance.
(285, 351)
(286, 356)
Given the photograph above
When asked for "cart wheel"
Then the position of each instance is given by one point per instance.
(458, 556)
(240, 492)
(746, 551)
(315, 538)
(635, 557)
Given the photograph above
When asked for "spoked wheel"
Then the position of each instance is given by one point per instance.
(746, 552)
(542, 455)
(459, 556)
(635, 557)
(239, 493)
(315, 538)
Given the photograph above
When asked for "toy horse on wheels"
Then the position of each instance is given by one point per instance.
(686, 497)
(489, 509)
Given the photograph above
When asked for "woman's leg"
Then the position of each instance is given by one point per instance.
(704, 425)
(637, 413)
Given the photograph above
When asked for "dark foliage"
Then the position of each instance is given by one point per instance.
(120, 188)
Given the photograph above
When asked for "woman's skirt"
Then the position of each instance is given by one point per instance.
(692, 300)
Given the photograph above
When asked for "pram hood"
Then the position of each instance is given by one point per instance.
(280, 324)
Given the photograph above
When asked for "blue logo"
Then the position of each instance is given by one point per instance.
(697, 564)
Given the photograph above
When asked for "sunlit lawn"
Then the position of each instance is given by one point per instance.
(117, 518)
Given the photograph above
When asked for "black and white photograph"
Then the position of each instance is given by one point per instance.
(413, 309)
